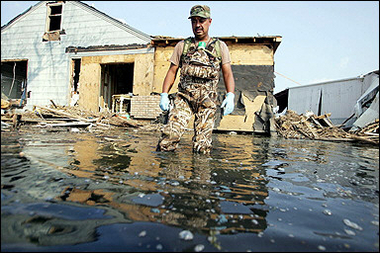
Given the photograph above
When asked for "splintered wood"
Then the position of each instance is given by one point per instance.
(309, 126)
(70, 116)
(370, 132)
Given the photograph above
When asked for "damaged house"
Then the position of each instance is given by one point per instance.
(72, 54)
(67, 51)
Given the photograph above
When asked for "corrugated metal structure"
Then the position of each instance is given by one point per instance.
(337, 97)
(38, 39)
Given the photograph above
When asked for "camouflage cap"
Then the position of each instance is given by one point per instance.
(202, 11)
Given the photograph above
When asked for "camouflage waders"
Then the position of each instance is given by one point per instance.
(196, 95)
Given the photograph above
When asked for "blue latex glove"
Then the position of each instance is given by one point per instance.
(164, 102)
(228, 103)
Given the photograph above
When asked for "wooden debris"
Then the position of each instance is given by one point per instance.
(53, 103)
(70, 124)
(309, 126)
(68, 116)
(4, 104)
(369, 133)
(120, 121)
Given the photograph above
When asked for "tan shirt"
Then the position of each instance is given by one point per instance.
(176, 56)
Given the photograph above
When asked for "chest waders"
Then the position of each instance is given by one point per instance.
(196, 95)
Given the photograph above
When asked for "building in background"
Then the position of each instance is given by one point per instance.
(346, 99)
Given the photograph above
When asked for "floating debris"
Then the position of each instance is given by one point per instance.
(352, 224)
(142, 233)
(186, 235)
(222, 219)
(327, 212)
(174, 183)
(349, 232)
(199, 247)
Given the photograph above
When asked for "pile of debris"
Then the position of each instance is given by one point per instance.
(309, 126)
(65, 116)
(370, 132)
(289, 125)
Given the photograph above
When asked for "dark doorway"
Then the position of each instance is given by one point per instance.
(116, 79)
(75, 73)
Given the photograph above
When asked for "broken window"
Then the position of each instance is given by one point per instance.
(53, 22)
(14, 81)
(54, 17)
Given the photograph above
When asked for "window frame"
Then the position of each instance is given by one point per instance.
(50, 17)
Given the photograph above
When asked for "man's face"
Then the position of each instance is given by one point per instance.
(200, 26)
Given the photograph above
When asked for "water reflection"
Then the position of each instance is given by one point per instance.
(247, 185)
(221, 192)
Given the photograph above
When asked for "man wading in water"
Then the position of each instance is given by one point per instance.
(200, 60)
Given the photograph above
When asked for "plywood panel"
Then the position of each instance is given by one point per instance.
(161, 66)
(245, 54)
(89, 88)
(143, 75)
(242, 122)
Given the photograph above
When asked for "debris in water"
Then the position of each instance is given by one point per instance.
(186, 235)
(199, 248)
(327, 212)
(174, 183)
(352, 224)
(222, 219)
(142, 233)
(255, 222)
(349, 232)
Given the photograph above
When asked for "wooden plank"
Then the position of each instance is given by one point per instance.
(66, 114)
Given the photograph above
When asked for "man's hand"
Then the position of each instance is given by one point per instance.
(164, 102)
(228, 103)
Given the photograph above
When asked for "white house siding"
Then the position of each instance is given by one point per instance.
(48, 71)
(338, 98)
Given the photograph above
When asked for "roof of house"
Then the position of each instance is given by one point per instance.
(171, 41)
(80, 4)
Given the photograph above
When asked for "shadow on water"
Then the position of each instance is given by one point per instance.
(113, 192)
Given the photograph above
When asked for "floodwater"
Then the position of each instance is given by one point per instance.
(111, 191)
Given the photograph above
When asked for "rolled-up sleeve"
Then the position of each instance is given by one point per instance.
(176, 56)
(226, 58)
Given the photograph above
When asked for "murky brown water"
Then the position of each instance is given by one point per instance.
(112, 191)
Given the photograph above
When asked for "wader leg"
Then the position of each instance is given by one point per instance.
(204, 124)
(179, 118)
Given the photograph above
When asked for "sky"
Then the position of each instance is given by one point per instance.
(321, 40)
